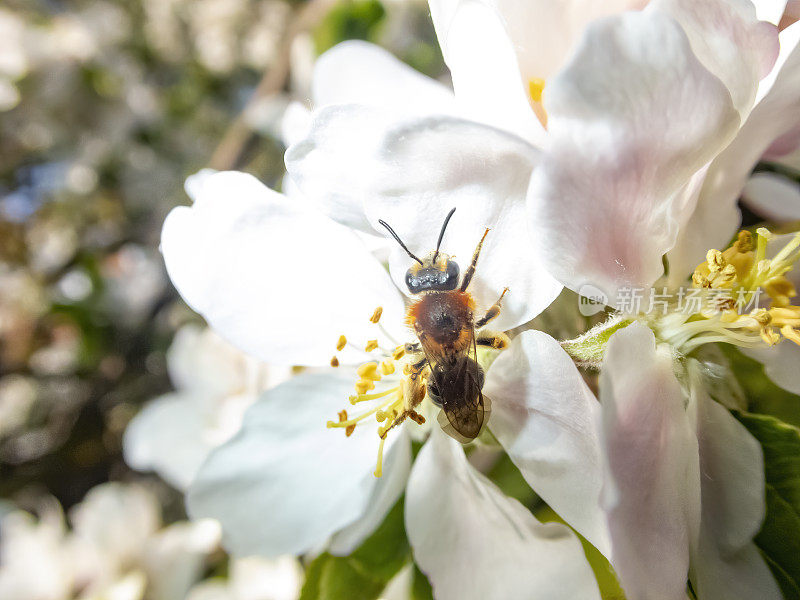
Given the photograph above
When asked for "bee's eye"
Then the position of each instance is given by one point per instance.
(433, 278)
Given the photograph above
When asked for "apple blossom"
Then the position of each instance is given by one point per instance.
(286, 483)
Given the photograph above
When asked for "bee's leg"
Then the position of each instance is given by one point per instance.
(491, 313)
(471, 270)
(417, 367)
(493, 339)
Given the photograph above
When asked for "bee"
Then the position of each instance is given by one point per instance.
(443, 319)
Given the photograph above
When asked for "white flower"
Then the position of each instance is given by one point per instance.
(116, 548)
(254, 578)
(284, 282)
(215, 383)
(685, 480)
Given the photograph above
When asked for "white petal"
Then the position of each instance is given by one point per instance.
(770, 10)
(455, 517)
(780, 364)
(277, 280)
(363, 73)
(653, 493)
(543, 32)
(295, 124)
(729, 40)
(168, 437)
(285, 483)
(772, 196)
(483, 65)
(716, 217)
(626, 136)
(413, 172)
(198, 360)
(547, 420)
(727, 564)
(384, 495)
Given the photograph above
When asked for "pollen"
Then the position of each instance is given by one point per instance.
(390, 406)
(748, 296)
(376, 316)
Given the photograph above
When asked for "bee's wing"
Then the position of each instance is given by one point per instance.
(465, 407)
(465, 426)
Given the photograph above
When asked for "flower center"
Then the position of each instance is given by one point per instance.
(732, 282)
(404, 388)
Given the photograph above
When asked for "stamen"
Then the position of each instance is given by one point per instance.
(379, 467)
(387, 367)
(366, 397)
(369, 371)
(376, 316)
(791, 334)
(363, 386)
(371, 345)
(334, 362)
(535, 91)
(341, 343)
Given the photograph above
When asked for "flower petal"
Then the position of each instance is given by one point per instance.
(285, 482)
(457, 517)
(277, 280)
(773, 196)
(363, 73)
(729, 40)
(653, 487)
(198, 360)
(780, 364)
(626, 135)
(727, 564)
(483, 65)
(716, 217)
(414, 171)
(384, 495)
(168, 436)
(547, 421)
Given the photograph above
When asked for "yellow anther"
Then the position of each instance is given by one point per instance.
(363, 386)
(376, 316)
(770, 337)
(387, 367)
(398, 352)
(369, 371)
(791, 334)
(744, 241)
(341, 343)
(761, 316)
(334, 362)
(371, 345)
(381, 416)
(536, 89)
(715, 260)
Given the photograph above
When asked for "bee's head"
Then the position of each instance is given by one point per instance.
(437, 272)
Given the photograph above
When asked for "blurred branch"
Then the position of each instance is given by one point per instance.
(228, 153)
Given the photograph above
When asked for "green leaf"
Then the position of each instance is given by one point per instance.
(350, 20)
(779, 538)
(763, 396)
(364, 574)
(588, 349)
(421, 588)
(604, 573)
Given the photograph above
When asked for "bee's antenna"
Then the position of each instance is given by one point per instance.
(399, 241)
(441, 233)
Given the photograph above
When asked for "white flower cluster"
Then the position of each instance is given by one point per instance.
(598, 142)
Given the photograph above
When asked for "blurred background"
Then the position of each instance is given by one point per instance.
(106, 106)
